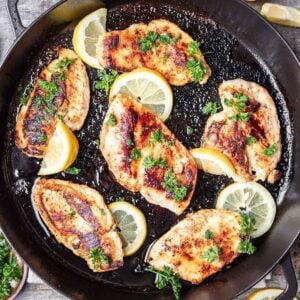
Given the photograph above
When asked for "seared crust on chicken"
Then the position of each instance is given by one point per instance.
(251, 159)
(79, 219)
(67, 97)
(121, 50)
(143, 154)
(183, 248)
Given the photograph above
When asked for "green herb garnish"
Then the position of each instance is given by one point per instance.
(111, 120)
(102, 212)
(50, 88)
(72, 213)
(166, 39)
(189, 130)
(195, 68)
(118, 199)
(170, 143)
(106, 79)
(209, 235)
(72, 171)
(25, 96)
(98, 257)
(165, 277)
(149, 162)
(43, 138)
(10, 270)
(211, 108)
(65, 64)
(270, 151)
(170, 184)
(156, 136)
(212, 255)
(135, 154)
(251, 140)
(247, 227)
(148, 42)
(129, 142)
(193, 48)
(238, 103)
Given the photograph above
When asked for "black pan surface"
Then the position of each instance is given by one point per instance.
(228, 57)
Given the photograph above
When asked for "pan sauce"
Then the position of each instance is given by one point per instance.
(227, 58)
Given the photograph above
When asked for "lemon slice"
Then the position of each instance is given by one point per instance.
(281, 14)
(250, 198)
(86, 36)
(265, 294)
(213, 161)
(61, 152)
(149, 87)
(132, 225)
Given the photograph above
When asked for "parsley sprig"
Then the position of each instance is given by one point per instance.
(98, 257)
(238, 103)
(212, 255)
(72, 171)
(251, 140)
(195, 68)
(193, 48)
(270, 151)
(171, 185)
(149, 162)
(211, 108)
(165, 277)
(247, 227)
(10, 270)
(106, 79)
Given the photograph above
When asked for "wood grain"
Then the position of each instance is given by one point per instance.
(36, 289)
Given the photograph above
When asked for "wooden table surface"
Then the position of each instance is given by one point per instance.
(31, 9)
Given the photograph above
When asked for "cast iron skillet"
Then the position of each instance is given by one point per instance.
(254, 51)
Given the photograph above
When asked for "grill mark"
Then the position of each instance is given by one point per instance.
(179, 57)
(154, 177)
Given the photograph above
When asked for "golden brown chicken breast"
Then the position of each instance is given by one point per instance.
(247, 130)
(199, 245)
(79, 219)
(144, 155)
(61, 91)
(159, 45)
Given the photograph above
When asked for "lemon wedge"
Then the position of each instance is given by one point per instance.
(86, 36)
(281, 14)
(213, 161)
(266, 294)
(149, 87)
(132, 225)
(61, 152)
(250, 198)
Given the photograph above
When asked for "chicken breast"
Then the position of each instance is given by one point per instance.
(247, 130)
(144, 155)
(79, 219)
(187, 249)
(159, 45)
(60, 91)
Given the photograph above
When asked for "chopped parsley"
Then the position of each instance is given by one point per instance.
(10, 269)
(193, 48)
(238, 103)
(148, 42)
(98, 257)
(25, 96)
(111, 120)
(270, 151)
(209, 235)
(211, 108)
(156, 136)
(43, 138)
(170, 143)
(189, 130)
(166, 38)
(72, 171)
(165, 277)
(247, 227)
(50, 88)
(212, 255)
(195, 68)
(251, 140)
(64, 65)
(149, 162)
(170, 184)
(102, 212)
(135, 154)
(129, 142)
(72, 213)
(106, 79)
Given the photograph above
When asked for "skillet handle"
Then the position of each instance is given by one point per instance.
(14, 17)
(291, 281)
